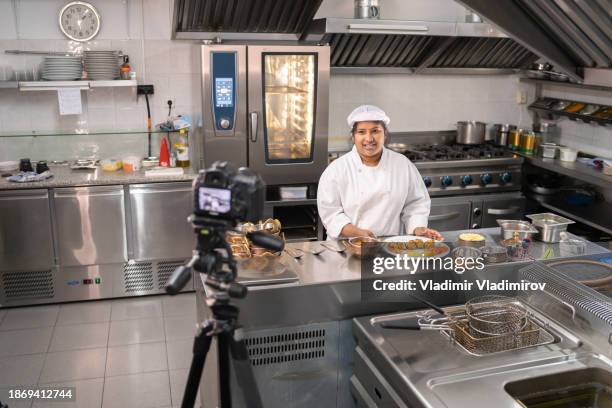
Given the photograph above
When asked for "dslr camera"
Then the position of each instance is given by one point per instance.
(224, 193)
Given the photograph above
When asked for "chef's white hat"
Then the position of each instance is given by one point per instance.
(367, 113)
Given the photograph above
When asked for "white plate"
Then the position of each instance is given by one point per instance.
(61, 69)
(101, 58)
(9, 165)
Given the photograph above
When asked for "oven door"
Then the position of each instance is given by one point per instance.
(508, 209)
(287, 112)
(449, 216)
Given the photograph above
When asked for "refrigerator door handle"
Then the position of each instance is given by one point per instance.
(254, 118)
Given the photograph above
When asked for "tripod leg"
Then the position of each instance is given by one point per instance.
(201, 345)
(244, 371)
(225, 394)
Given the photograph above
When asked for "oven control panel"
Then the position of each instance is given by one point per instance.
(464, 181)
(223, 65)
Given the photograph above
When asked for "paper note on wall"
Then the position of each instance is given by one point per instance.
(69, 101)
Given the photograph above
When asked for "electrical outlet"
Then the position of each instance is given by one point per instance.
(521, 97)
(144, 89)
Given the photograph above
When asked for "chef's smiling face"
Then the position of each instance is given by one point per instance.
(369, 138)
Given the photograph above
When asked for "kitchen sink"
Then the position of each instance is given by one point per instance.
(588, 387)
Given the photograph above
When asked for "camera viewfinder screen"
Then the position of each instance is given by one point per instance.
(215, 200)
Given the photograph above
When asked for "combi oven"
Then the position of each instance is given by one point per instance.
(266, 107)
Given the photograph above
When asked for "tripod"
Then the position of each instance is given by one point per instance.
(213, 258)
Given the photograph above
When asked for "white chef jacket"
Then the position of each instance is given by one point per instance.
(388, 199)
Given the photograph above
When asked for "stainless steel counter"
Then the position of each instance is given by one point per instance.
(331, 267)
(329, 286)
(299, 335)
(66, 177)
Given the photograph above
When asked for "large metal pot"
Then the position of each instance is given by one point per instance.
(471, 132)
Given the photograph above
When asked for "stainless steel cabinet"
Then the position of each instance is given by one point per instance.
(25, 230)
(446, 215)
(492, 210)
(159, 214)
(90, 223)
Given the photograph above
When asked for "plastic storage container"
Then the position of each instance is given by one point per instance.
(568, 154)
(288, 193)
(549, 150)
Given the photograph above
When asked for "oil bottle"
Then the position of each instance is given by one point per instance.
(181, 147)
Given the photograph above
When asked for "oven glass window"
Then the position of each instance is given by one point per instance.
(290, 102)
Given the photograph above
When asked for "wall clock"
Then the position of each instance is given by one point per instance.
(79, 21)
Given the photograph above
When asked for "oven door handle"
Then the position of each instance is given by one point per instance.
(441, 217)
(503, 211)
(253, 120)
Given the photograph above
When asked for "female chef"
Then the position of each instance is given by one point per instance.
(373, 191)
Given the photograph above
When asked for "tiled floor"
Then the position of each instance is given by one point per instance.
(117, 353)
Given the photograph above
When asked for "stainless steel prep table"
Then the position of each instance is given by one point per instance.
(315, 313)
(63, 176)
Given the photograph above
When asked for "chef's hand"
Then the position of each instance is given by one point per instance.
(349, 230)
(429, 233)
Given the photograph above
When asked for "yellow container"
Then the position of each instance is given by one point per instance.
(528, 142)
(514, 139)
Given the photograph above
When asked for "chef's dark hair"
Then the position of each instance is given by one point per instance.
(378, 122)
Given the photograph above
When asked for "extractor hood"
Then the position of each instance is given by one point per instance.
(569, 34)
(242, 19)
(380, 46)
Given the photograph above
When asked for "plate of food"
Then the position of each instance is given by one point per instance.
(413, 245)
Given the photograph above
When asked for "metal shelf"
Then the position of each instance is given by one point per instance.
(543, 111)
(85, 132)
(82, 85)
(567, 84)
(596, 215)
(9, 84)
(577, 170)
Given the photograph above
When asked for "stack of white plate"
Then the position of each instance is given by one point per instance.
(58, 68)
(8, 166)
(103, 65)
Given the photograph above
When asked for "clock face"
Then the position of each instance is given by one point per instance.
(79, 21)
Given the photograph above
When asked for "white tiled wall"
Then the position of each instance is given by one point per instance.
(425, 102)
(139, 28)
(592, 139)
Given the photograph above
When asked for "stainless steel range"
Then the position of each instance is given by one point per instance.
(470, 185)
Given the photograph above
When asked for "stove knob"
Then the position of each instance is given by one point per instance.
(476, 212)
(446, 181)
(224, 123)
(427, 181)
(505, 178)
(486, 179)
(466, 180)
(475, 226)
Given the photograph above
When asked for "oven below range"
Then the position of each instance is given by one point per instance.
(475, 211)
